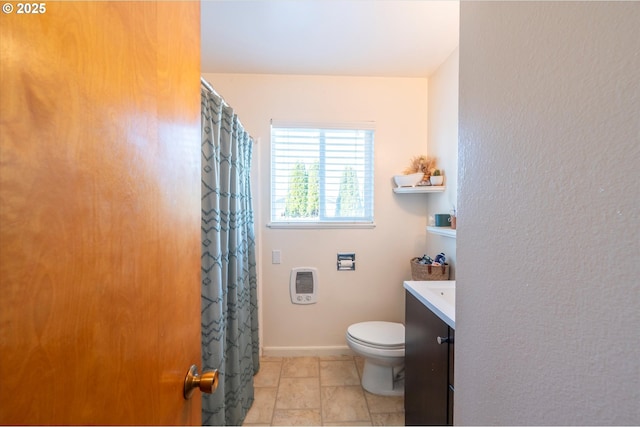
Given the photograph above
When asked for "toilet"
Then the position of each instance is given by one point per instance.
(381, 344)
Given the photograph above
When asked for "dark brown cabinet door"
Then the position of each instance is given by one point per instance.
(426, 366)
(452, 334)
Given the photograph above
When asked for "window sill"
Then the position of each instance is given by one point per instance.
(321, 225)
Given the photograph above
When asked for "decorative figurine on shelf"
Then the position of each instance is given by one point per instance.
(436, 177)
(421, 164)
(453, 218)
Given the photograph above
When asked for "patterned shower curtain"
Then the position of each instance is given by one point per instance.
(229, 279)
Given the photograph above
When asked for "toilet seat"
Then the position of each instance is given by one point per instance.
(376, 334)
(381, 344)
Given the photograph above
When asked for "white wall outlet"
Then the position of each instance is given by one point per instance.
(275, 256)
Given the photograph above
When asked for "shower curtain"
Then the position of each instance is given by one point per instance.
(229, 280)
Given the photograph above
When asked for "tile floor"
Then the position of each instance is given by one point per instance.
(316, 391)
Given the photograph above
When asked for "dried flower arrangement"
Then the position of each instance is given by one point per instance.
(421, 164)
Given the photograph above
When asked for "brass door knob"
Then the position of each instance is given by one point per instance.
(207, 382)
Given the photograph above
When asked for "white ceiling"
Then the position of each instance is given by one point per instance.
(398, 38)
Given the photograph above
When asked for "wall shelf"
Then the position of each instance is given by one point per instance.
(420, 189)
(442, 231)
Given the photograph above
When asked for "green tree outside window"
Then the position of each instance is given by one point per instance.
(349, 202)
(296, 205)
(313, 193)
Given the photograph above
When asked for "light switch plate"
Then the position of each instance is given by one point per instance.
(275, 256)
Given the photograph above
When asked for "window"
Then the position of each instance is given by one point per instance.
(321, 175)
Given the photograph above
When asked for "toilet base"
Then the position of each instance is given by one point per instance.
(381, 379)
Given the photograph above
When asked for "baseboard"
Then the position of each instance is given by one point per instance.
(307, 351)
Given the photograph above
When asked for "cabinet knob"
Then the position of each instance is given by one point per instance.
(442, 340)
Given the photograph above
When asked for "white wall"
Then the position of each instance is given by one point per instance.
(548, 300)
(374, 291)
(443, 146)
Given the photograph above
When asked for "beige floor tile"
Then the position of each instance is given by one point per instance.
(354, 423)
(300, 367)
(298, 393)
(392, 419)
(338, 372)
(336, 357)
(344, 403)
(269, 374)
(261, 411)
(382, 404)
(297, 417)
(318, 390)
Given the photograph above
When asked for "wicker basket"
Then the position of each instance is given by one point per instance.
(428, 272)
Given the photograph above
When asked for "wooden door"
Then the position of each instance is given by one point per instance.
(99, 212)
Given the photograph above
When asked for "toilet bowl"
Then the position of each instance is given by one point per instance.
(381, 344)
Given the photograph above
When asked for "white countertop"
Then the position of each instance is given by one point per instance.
(439, 296)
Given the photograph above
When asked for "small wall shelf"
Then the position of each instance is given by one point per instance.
(442, 231)
(420, 189)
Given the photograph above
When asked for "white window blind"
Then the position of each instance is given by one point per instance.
(321, 174)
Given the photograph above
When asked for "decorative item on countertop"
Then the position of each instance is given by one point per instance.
(426, 268)
(436, 177)
(440, 259)
(426, 259)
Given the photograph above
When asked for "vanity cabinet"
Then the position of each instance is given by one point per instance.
(428, 398)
